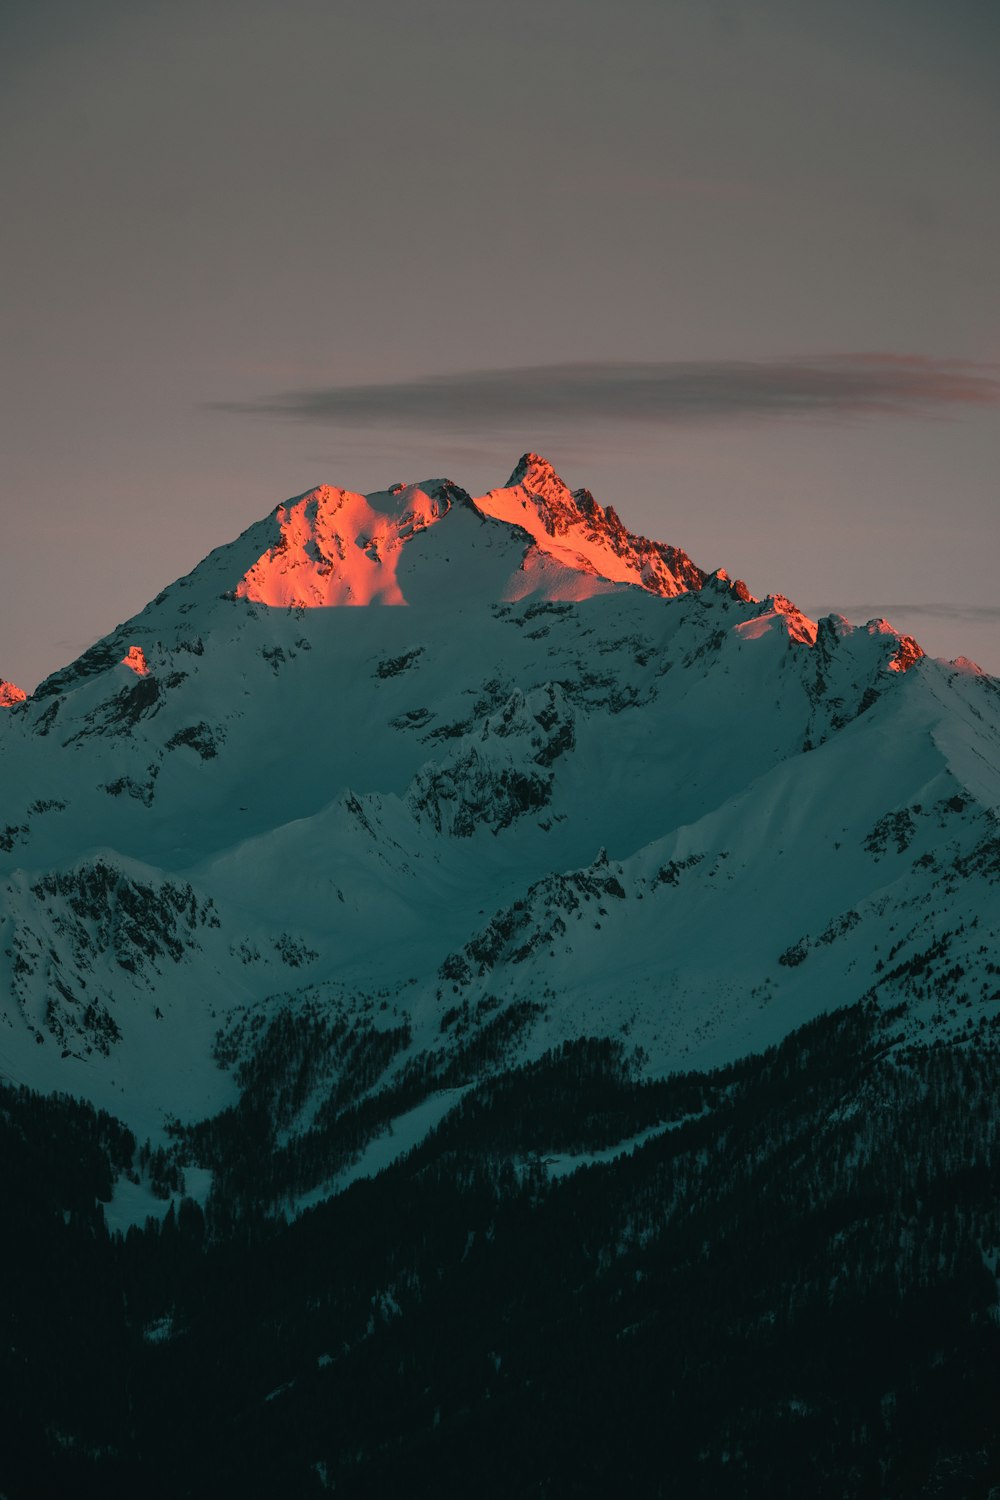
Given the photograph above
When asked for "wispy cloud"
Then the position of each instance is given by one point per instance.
(965, 614)
(839, 386)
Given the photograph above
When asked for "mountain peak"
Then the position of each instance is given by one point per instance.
(572, 527)
(10, 694)
(536, 474)
(333, 546)
(904, 649)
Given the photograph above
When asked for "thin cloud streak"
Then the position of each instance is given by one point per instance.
(966, 614)
(841, 386)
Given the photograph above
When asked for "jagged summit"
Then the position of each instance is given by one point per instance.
(335, 547)
(10, 694)
(570, 526)
(434, 545)
(535, 471)
(905, 650)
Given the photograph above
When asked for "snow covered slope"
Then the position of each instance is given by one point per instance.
(564, 776)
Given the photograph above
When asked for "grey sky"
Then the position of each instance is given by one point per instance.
(214, 206)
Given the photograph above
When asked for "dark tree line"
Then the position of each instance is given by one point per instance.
(790, 1291)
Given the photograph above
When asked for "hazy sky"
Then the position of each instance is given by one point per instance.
(731, 266)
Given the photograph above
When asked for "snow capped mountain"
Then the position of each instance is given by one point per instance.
(565, 783)
(10, 694)
(574, 977)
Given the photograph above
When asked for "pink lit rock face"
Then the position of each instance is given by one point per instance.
(135, 658)
(10, 694)
(571, 527)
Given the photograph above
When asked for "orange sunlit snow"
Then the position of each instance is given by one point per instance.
(336, 547)
(135, 658)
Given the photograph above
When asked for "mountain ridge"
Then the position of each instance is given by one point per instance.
(535, 503)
